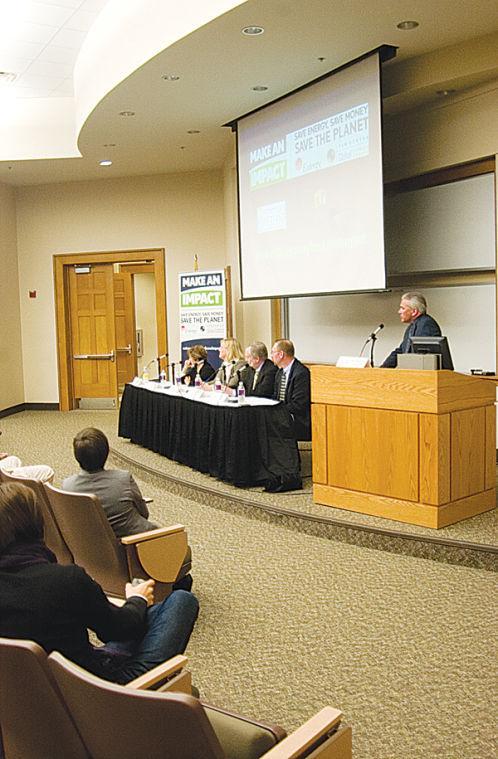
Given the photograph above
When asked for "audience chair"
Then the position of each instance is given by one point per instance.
(126, 722)
(34, 719)
(159, 554)
(36, 723)
(53, 536)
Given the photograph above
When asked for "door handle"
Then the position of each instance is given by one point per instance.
(95, 356)
(124, 350)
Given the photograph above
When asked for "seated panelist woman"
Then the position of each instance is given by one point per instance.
(233, 362)
(197, 364)
(55, 605)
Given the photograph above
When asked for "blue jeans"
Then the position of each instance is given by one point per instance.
(169, 626)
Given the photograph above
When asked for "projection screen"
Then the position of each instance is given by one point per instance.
(310, 188)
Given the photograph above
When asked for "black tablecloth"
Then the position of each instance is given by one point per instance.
(247, 445)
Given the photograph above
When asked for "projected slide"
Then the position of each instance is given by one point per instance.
(310, 189)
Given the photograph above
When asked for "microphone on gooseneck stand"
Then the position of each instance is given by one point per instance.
(376, 332)
(371, 339)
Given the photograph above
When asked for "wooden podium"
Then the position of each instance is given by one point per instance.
(414, 446)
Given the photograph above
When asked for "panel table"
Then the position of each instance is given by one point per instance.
(245, 445)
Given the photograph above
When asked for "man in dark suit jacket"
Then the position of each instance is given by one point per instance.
(292, 387)
(259, 375)
(412, 311)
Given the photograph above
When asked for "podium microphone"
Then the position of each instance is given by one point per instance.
(371, 339)
(376, 331)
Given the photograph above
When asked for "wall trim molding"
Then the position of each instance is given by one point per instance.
(28, 407)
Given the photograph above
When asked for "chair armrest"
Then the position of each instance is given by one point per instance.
(314, 731)
(167, 669)
(140, 536)
(158, 554)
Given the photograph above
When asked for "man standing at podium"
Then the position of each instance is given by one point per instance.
(412, 311)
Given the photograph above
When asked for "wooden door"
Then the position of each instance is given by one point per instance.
(93, 337)
(124, 319)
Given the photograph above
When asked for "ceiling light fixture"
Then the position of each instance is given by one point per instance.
(193, 131)
(252, 31)
(444, 93)
(407, 26)
(105, 162)
(127, 113)
(170, 77)
(259, 88)
(109, 145)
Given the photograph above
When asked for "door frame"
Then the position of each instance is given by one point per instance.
(61, 263)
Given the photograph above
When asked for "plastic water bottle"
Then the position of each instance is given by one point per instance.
(145, 374)
(163, 377)
(197, 382)
(241, 394)
(217, 385)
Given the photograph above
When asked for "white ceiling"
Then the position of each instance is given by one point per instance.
(40, 41)
(218, 67)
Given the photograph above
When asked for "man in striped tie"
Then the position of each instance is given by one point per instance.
(292, 387)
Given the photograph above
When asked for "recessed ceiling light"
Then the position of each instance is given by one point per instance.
(252, 31)
(444, 93)
(105, 162)
(109, 145)
(170, 77)
(193, 131)
(127, 113)
(407, 26)
(259, 88)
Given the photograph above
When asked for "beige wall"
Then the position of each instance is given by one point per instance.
(443, 134)
(11, 376)
(182, 213)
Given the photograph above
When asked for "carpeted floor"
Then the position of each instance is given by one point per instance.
(405, 646)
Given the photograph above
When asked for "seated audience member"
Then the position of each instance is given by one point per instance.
(12, 465)
(197, 364)
(233, 362)
(259, 376)
(292, 387)
(55, 605)
(116, 489)
(412, 311)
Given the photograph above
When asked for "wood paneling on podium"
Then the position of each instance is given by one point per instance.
(413, 446)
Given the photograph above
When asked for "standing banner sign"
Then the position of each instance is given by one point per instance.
(203, 312)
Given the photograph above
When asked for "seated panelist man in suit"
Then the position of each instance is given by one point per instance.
(259, 375)
(292, 386)
(413, 312)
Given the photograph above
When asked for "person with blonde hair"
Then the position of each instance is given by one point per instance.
(233, 362)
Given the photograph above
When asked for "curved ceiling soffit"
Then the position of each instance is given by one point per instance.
(125, 37)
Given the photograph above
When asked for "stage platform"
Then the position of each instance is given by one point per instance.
(472, 542)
